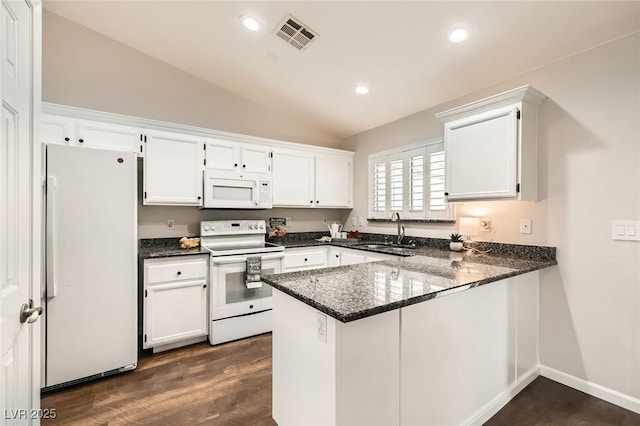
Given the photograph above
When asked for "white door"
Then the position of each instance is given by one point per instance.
(175, 311)
(293, 179)
(223, 155)
(333, 181)
(19, 341)
(108, 136)
(256, 159)
(173, 167)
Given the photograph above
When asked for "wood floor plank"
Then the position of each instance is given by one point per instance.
(230, 385)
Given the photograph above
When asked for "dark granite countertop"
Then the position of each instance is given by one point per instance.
(152, 248)
(349, 293)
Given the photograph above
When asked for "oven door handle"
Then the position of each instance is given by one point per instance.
(241, 259)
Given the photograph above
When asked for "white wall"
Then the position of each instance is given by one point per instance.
(589, 174)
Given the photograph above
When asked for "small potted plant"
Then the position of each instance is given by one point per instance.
(456, 242)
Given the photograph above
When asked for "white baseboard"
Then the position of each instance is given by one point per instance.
(501, 400)
(593, 389)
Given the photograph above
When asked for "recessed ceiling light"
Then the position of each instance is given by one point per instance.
(458, 35)
(250, 23)
(362, 90)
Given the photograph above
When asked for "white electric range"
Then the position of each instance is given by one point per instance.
(238, 309)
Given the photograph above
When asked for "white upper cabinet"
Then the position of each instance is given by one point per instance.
(306, 179)
(334, 185)
(93, 134)
(491, 147)
(236, 156)
(173, 168)
(293, 178)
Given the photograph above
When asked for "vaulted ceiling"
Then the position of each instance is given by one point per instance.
(400, 50)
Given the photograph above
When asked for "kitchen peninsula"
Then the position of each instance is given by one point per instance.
(380, 344)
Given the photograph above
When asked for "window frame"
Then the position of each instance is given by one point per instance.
(406, 153)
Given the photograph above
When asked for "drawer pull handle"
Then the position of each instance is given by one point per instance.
(179, 273)
(250, 306)
(204, 286)
(305, 259)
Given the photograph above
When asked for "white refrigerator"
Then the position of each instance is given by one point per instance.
(91, 264)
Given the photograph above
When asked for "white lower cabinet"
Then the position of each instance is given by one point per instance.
(175, 302)
(300, 259)
(303, 258)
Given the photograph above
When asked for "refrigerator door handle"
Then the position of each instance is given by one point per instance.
(51, 237)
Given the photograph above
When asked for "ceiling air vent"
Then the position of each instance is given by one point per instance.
(295, 33)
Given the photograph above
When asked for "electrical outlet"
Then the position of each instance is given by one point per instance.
(170, 224)
(354, 221)
(287, 221)
(525, 226)
(322, 327)
(361, 221)
(324, 220)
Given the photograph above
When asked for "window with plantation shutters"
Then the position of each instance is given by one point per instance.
(437, 202)
(416, 183)
(409, 180)
(395, 185)
(380, 187)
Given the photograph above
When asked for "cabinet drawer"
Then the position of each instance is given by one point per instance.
(307, 259)
(173, 270)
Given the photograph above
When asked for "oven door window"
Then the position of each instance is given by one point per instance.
(237, 291)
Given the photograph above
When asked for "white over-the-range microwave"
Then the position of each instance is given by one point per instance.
(233, 190)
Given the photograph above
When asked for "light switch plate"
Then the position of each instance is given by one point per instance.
(625, 230)
(525, 226)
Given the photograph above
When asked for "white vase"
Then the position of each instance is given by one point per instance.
(455, 246)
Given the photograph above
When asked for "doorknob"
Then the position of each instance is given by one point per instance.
(29, 314)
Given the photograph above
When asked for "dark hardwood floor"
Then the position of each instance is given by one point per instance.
(230, 384)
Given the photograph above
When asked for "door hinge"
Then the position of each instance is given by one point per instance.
(145, 338)
(145, 293)
(517, 187)
(145, 194)
(518, 115)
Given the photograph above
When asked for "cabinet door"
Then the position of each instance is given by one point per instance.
(333, 181)
(57, 129)
(333, 257)
(256, 158)
(175, 311)
(293, 179)
(95, 134)
(481, 156)
(173, 167)
(223, 155)
(349, 257)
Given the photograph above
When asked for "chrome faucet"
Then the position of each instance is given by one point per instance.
(395, 217)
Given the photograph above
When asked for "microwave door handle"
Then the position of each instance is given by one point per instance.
(256, 194)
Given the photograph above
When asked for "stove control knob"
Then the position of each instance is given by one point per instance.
(261, 226)
(206, 227)
(251, 226)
